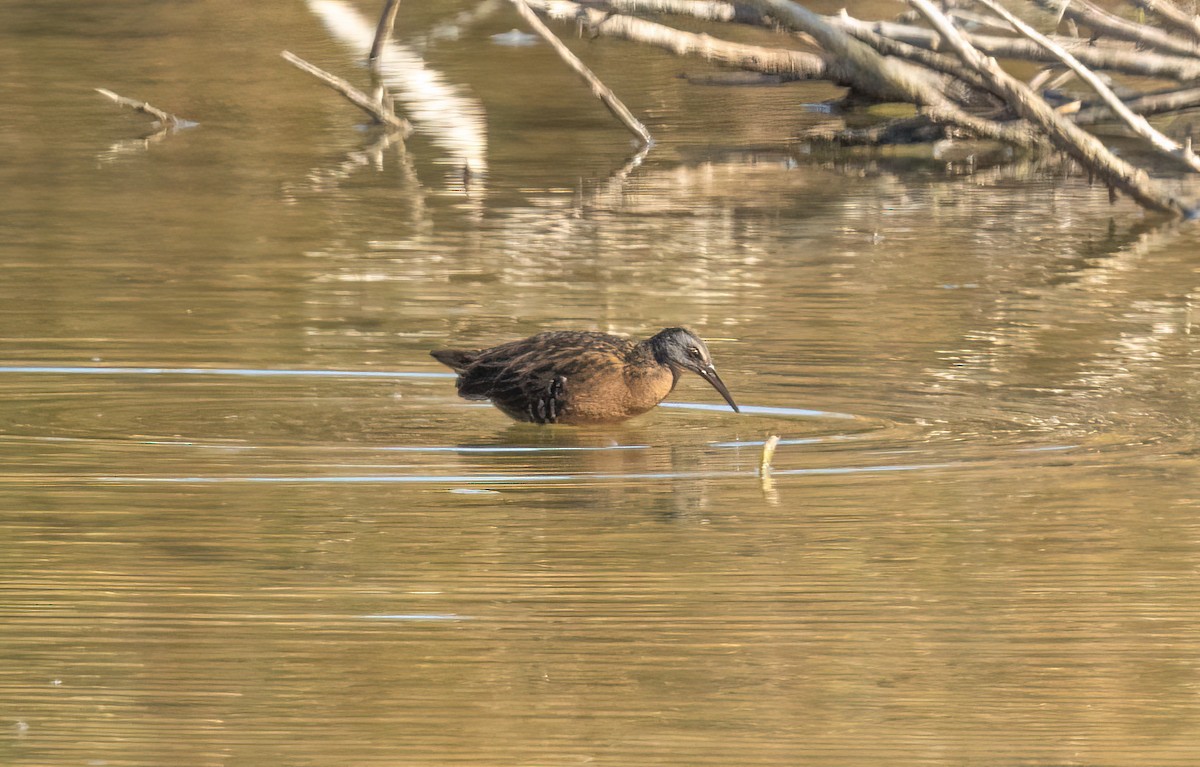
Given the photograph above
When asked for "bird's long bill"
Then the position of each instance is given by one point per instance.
(710, 374)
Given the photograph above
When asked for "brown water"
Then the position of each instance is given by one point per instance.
(980, 544)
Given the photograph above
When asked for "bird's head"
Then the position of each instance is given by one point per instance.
(682, 349)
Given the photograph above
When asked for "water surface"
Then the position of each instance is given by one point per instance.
(244, 520)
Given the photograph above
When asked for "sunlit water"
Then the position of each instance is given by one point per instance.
(244, 519)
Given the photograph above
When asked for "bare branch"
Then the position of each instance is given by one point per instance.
(904, 130)
(935, 61)
(1113, 57)
(1167, 11)
(898, 81)
(1102, 21)
(165, 118)
(1150, 104)
(859, 64)
(854, 62)
(706, 10)
(1138, 123)
(599, 89)
(792, 65)
(387, 20)
(354, 95)
(1066, 135)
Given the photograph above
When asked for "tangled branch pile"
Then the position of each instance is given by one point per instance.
(952, 76)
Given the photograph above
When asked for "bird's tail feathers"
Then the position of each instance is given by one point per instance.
(455, 359)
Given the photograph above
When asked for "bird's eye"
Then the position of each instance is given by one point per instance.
(695, 352)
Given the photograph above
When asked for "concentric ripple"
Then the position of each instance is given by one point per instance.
(140, 425)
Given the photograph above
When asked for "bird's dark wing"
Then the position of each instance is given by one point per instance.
(539, 399)
(532, 379)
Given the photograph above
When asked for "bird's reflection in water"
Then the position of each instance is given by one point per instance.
(597, 465)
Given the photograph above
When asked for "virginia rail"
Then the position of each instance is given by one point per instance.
(580, 377)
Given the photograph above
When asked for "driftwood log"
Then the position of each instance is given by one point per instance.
(1090, 75)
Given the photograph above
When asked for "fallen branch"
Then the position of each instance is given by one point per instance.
(1168, 12)
(1101, 21)
(854, 62)
(705, 10)
(1138, 123)
(164, 118)
(791, 65)
(947, 74)
(1121, 58)
(923, 56)
(1150, 104)
(976, 21)
(869, 73)
(599, 89)
(356, 97)
(1067, 136)
(873, 73)
(918, 129)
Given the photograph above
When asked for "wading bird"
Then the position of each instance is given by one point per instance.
(579, 377)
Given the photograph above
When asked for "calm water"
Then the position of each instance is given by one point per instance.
(270, 534)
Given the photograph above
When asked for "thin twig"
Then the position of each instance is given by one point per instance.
(354, 95)
(599, 89)
(387, 20)
(166, 118)
(1139, 124)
